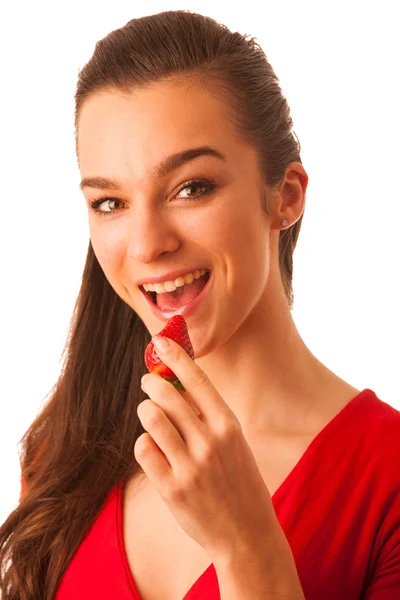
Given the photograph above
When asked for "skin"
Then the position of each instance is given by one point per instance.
(243, 335)
(254, 380)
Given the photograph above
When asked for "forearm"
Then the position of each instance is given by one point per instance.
(259, 575)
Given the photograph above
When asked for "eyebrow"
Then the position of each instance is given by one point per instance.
(165, 167)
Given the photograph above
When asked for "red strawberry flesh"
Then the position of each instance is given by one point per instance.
(175, 329)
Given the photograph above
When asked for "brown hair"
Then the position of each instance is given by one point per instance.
(81, 443)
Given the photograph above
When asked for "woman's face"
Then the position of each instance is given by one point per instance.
(151, 226)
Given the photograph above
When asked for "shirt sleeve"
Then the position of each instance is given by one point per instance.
(385, 581)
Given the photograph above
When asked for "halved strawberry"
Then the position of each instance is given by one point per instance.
(175, 329)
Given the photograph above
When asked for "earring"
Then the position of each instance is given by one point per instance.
(284, 222)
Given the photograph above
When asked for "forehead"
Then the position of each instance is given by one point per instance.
(143, 126)
(161, 117)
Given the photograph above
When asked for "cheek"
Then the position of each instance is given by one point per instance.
(110, 256)
(108, 250)
(222, 225)
(244, 239)
(238, 232)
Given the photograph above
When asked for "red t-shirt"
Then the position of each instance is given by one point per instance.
(339, 508)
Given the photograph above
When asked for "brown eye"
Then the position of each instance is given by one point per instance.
(94, 204)
(206, 186)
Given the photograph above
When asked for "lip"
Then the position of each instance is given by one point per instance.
(171, 276)
(186, 310)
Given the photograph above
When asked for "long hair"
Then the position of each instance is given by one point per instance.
(81, 443)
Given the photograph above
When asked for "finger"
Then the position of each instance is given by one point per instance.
(165, 436)
(176, 408)
(146, 451)
(195, 381)
(146, 381)
(154, 463)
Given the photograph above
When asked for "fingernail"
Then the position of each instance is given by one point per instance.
(161, 343)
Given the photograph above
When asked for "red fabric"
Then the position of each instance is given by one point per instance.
(339, 508)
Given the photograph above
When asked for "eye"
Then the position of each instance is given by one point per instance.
(94, 205)
(207, 187)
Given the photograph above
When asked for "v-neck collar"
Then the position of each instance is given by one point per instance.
(324, 434)
(327, 431)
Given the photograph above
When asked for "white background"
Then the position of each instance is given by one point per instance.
(339, 68)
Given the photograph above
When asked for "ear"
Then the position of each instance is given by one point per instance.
(288, 201)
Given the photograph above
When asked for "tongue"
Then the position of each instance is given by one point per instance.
(182, 295)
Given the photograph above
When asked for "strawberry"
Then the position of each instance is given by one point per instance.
(175, 329)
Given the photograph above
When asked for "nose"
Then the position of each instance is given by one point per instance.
(151, 234)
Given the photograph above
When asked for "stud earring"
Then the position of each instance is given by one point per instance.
(284, 222)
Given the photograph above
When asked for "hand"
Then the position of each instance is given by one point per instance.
(201, 464)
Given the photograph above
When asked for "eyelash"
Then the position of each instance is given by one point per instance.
(208, 186)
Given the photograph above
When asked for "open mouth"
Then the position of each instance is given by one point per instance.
(181, 296)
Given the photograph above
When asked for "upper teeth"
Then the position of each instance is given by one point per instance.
(170, 286)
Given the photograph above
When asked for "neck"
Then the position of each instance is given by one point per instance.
(265, 372)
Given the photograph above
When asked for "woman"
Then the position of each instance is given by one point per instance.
(270, 476)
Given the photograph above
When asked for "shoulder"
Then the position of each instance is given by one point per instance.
(385, 416)
(379, 424)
